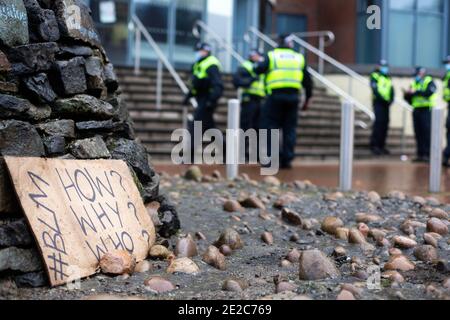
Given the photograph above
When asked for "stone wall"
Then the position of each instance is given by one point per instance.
(59, 97)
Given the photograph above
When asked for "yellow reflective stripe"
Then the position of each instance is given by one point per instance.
(201, 68)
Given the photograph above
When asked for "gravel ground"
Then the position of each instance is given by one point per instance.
(201, 209)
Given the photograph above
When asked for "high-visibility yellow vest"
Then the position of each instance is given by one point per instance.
(257, 88)
(200, 68)
(423, 102)
(285, 70)
(446, 87)
(384, 86)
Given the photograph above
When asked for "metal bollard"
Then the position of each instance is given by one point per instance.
(159, 84)
(437, 133)
(232, 149)
(347, 146)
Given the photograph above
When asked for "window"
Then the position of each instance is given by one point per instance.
(416, 32)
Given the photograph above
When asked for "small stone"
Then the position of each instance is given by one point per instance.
(159, 252)
(345, 295)
(31, 58)
(291, 217)
(62, 128)
(398, 195)
(342, 233)
(426, 253)
(285, 200)
(285, 287)
(267, 237)
(395, 252)
(446, 283)
(432, 239)
(225, 250)
(399, 263)
(200, 236)
(439, 213)
(364, 229)
(186, 248)
(334, 197)
(117, 262)
(214, 258)
(15, 234)
(194, 174)
(285, 263)
(374, 197)
(330, 224)
(393, 276)
(143, 267)
(23, 260)
(404, 242)
(234, 285)
(14, 23)
(356, 237)
(82, 106)
(293, 256)
(31, 280)
(38, 88)
(272, 181)
(377, 234)
(230, 238)
(253, 202)
(183, 265)
(67, 52)
(367, 218)
(315, 265)
(419, 200)
(216, 175)
(159, 285)
(232, 206)
(18, 138)
(339, 252)
(91, 148)
(54, 145)
(437, 226)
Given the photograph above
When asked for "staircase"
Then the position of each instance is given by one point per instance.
(318, 131)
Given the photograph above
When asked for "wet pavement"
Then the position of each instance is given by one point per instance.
(380, 176)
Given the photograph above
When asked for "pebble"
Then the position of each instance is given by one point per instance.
(426, 253)
(404, 242)
(315, 265)
(272, 181)
(234, 285)
(330, 224)
(159, 252)
(356, 237)
(265, 216)
(345, 295)
(374, 197)
(431, 239)
(342, 233)
(285, 263)
(253, 202)
(186, 247)
(399, 263)
(225, 250)
(367, 218)
(285, 286)
(437, 226)
(291, 217)
(439, 213)
(285, 200)
(397, 195)
(364, 229)
(183, 265)
(395, 252)
(446, 283)
(393, 276)
(333, 196)
(232, 206)
(419, 200)
(143, 267)
(293, 256)
(200, 236)
(357, 292)
(267, 238)
(214, 258)
(194, 174)
(339, 252)
(117, 262)
(159, 285)
(230, 238)
(377, 234)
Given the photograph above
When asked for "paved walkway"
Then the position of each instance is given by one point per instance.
(381, 176)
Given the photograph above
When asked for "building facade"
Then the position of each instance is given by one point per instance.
(412, 32)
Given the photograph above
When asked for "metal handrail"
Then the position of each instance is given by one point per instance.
(222, 42)
(323, 80)
(161, 56)
(318, 34)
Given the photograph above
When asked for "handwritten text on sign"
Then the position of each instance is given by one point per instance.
(79, 210)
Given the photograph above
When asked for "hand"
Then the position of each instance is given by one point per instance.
(305, 105)
(186, 100)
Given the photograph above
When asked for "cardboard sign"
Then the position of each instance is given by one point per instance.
(79, 210)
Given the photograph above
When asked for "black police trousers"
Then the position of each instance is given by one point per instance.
(204, 114)
(250, 111)
(422, 129)
(281, 112)
(381, 125)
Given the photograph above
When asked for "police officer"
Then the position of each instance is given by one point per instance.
(383, 96)
(422, 96)
(446, 83)
(286, 74)
(253, 91)
(206, 88)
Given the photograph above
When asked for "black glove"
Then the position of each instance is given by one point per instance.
(187, 98)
